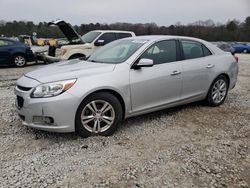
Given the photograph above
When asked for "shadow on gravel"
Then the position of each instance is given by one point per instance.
(60, 137)
(166, 112)
(55, 137)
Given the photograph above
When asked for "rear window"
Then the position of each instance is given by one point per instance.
(206, 51)
(193, 50)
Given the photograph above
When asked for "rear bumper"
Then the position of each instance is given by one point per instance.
(233, 77)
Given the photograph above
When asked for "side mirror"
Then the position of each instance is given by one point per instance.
(144, 63)
(99, 43)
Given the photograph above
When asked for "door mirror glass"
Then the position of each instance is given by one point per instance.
(99, 43)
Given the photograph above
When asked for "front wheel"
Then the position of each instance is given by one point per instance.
(218, 91)
(98, 114)
(19, 60)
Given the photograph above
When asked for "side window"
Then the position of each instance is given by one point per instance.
(123, 35)
(192, 49)
(206, 51)
(161, 52)
(4, 43)
(107, 37)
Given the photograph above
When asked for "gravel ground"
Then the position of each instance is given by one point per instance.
(189, 146)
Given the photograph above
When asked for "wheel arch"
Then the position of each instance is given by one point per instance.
(77, 54)
(221, 74)
(18, 53)
(114, 93)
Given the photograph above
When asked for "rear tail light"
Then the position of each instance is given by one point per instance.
(236, 58)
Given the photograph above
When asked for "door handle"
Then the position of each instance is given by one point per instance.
(209, 66)
(174, 73)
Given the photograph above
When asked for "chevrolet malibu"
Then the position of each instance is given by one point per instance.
(125, 78)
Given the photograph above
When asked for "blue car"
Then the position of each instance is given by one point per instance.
(241, 48)
(14, 53)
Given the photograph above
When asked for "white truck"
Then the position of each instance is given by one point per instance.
(80, 46)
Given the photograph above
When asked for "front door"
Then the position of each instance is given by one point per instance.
(160, 84)
(4, 52)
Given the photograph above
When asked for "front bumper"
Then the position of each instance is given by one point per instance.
(61, 109)
(46, 58)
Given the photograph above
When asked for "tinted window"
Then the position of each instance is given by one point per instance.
(206, 51)
(123, 35)
(161, 52)
(192, 50)
(107, 37)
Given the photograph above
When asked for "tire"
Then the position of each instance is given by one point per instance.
(245, 51)
(97, 121)
(75, 57)
(19, 60)
(217, 93)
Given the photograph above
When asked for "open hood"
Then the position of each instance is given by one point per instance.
(67, 30)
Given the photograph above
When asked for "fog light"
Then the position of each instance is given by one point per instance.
(43, 120)
(48, 120)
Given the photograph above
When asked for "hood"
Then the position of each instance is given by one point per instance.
(67, 30)
(68, 70)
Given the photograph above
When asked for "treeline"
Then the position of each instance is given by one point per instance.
(233, 30)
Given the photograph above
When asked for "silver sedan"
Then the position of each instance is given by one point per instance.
(125, 78)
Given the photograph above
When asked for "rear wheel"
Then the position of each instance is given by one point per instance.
(19, 60)
(218, 91)
(245, 51)
(98, 114)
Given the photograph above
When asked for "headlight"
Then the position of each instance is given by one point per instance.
(52, 89)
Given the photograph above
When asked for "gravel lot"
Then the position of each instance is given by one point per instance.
(189, 146)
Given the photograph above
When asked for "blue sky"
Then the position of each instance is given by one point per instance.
(162, 12)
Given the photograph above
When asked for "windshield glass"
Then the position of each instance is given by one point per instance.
(116, 52)
(90, 36)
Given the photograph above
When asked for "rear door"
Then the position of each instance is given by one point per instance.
(196, 65)
(160, 84)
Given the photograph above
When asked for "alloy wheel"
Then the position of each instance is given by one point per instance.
(98, 116)
(219, 91)
(19, 61)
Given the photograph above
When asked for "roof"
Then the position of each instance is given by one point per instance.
(5, 38)
(154, 38)
(114, 31)
(162, 37)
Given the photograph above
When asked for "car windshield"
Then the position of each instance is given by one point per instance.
(90, 36)
(116, 52)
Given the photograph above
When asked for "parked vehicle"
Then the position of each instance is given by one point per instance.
(26, 39)
(125, 78)
(13, 52)
(241, 48)
(80, 46)
(226, 47)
